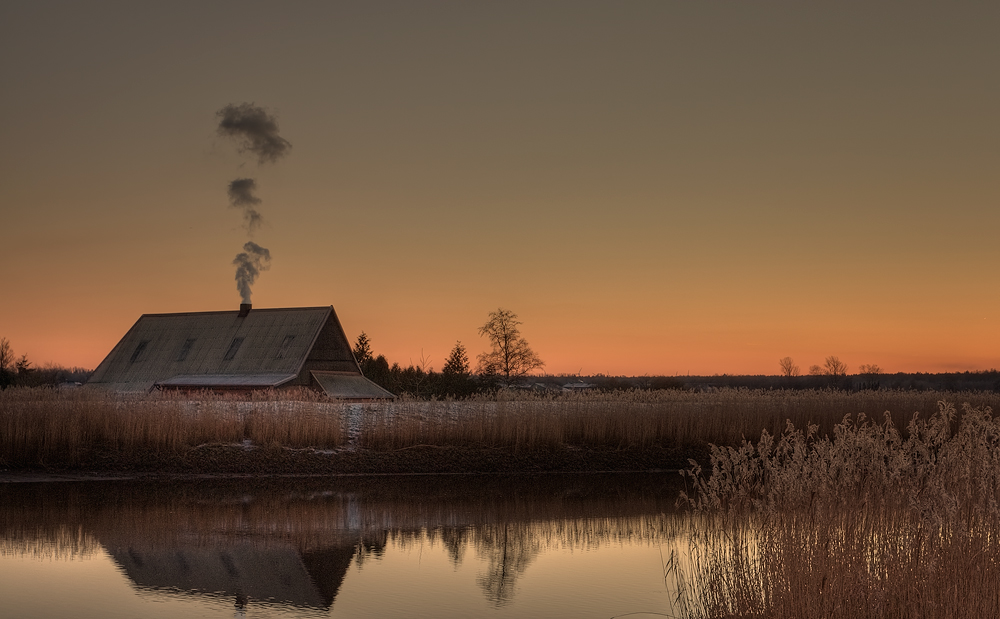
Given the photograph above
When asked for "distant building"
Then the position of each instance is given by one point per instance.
(579, 386)
(238, 351)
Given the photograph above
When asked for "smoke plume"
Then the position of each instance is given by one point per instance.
(255, 131)
(241, 196)
(249, 263)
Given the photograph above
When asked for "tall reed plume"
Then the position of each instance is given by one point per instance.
(866, 521)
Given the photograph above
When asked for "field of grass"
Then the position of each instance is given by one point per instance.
(46, 427)
(869, 522)
(632, 419)
(49, 427)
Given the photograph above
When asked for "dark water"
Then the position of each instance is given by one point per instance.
(462, 546)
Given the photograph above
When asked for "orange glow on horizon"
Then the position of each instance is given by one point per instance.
(661, 188)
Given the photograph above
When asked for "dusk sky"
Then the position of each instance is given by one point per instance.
(653, 187)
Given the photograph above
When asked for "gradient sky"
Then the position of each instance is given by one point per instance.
(653, 187)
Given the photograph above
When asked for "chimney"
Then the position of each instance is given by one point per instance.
(244, 309)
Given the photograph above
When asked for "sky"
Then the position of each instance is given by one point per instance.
(652, 187)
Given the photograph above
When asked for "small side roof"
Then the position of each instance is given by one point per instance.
(350, 386)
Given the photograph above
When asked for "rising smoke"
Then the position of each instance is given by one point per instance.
(241, 196)
(249, 264)
(255, 131)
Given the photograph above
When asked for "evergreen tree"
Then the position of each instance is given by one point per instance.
(457, 363)
(363, 350)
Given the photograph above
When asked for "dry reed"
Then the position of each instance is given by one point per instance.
(55, 427)
(633, 419)
(866, 522)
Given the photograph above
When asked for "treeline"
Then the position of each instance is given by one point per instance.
(20, 372)
(988, 380)
(457, 380)
(454, 380)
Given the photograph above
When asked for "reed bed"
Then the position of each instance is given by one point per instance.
(54, 427)
(40, 427)
(866, 522)
(632, 419)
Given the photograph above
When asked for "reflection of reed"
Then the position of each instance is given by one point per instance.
(311, 512)
(60, 542)
(319, 512)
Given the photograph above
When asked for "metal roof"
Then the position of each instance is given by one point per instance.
(224, 350)
(351, 386)
(240, 381)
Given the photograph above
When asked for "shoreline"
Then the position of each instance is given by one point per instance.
(236, 461)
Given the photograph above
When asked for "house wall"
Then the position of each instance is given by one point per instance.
(330, 353)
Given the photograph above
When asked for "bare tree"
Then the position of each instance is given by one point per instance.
(6, 354)
(835, 367)
(869, 373)
(815, 370)
(511, 357)
(870, 369)
(6, 364)
(788, 367)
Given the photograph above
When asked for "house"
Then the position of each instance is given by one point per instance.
(578, 386)
(240, 350)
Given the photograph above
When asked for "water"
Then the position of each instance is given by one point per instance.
(460, 546)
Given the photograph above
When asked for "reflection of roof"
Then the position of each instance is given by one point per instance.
(277, 573)
(260, 348)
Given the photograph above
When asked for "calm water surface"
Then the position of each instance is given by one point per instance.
(463, 546)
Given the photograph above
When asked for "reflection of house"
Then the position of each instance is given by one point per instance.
(244, 350)
(275, 572)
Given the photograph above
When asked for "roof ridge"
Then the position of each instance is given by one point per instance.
(237, 311)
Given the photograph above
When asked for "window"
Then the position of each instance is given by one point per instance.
(185, 349)
(138, 351)
(233, 347)
(285, 345)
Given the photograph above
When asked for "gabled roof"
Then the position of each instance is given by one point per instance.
(232, 350)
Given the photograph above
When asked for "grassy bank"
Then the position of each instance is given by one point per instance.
(869, 522)
(83, 427)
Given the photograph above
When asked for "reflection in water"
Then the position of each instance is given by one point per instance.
(292, 543)
(62, 543)
(240, 570)
(509, 548)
